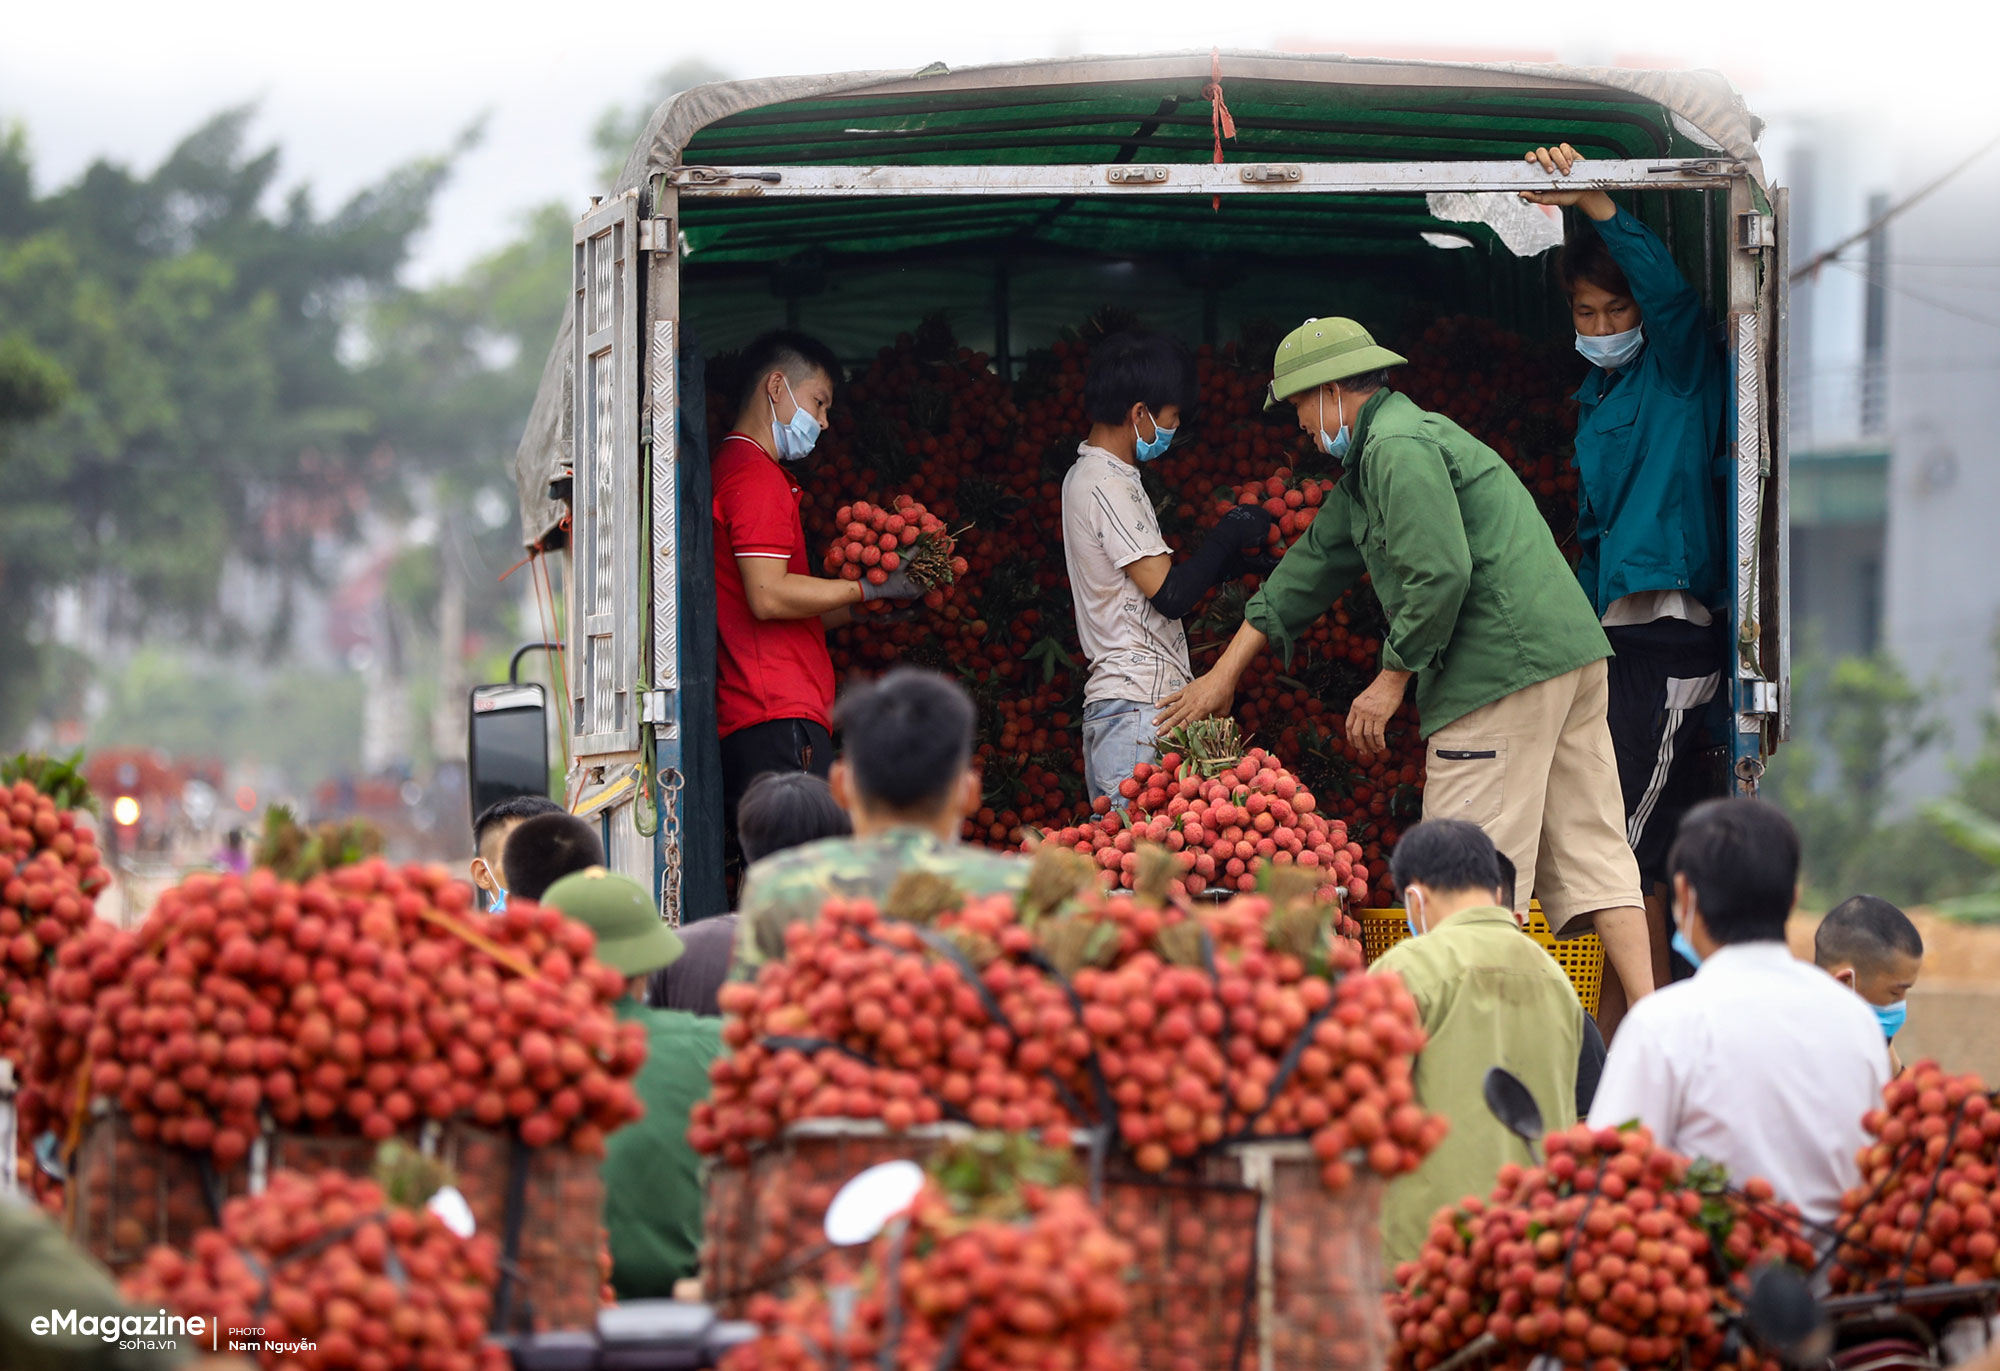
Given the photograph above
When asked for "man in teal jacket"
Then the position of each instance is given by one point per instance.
(1649, 510)
(1483, 611)
(652, 1178)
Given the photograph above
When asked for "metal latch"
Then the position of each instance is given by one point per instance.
(1697, 166)
(654, 708)
(1755, 232)
(1266, 173)
(715, 176)
(1759, 697)
(1135, 175)
(656, 235)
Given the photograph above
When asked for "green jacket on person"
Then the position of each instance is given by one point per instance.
(42, 1275)
(791, 886)
(1479, 599)
(652, 1178)
(1488, 996)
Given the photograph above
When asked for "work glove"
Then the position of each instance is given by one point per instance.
(1245, 527)
(1247, 563)
(896, 586)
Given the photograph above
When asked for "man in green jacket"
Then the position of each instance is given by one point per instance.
(652, 1178)
(1483, 611)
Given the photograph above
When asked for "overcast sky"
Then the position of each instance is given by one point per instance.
(352, 88)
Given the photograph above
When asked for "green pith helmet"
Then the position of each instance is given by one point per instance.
(630, 937)
(1322, 350)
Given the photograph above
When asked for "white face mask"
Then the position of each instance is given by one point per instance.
(795, 437)
(1414, 901)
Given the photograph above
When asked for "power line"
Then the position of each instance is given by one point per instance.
(1918, 296)
(1820, 259)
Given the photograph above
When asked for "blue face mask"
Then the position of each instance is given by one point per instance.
(1335, 446)
(499, 905)
(1156, 447)
(1613, 350)
(1679, 942)
(796, 436)
(1410, 916)
(1892, 1016)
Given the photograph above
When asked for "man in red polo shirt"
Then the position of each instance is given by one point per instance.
(774, 688)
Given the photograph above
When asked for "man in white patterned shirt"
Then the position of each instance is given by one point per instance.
(1130, 595)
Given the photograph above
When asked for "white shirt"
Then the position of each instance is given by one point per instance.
(1761, 1062)
(1649, 606)
(1136, 652)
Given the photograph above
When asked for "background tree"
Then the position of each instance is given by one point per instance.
(213, 415)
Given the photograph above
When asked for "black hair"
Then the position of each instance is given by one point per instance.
(513, 807)
(1508, 876)
(907, 738)
(796, 354)
(1742, 859)
(1367, 380)
(784, 809)
(1128, 369)
(1862, 930)
(1446, 854)
(545, 849)
(1584, 257)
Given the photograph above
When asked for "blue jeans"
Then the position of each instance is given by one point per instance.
(1117, 736)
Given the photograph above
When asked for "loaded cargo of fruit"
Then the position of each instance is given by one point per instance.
(960, 237)
(1239, 1095)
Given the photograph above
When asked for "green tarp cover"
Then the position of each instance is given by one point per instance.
(1286, 107)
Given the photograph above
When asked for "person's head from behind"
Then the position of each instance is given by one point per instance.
(631, 938)
(490, 831)
(543, 850)
(1600, 298)
(1872, 948)
(784, 809)
(785, 397)
(1443, 866)
(1735, 869)
(1134, 390)
(906, 753)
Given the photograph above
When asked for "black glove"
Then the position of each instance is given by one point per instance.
(1246, 563)
(1245, 527)
(897, 586)
(1219, 559)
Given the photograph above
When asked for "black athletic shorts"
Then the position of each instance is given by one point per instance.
(1662, 679)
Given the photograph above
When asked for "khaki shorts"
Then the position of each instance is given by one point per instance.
(1535, 769)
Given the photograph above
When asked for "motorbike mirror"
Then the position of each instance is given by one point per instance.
(1783, 1315)
(866, 1203)
(48, 1156)
(1513, 1105)
(507, 744)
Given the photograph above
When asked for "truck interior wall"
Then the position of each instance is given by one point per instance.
(701, 749)
(1032, 296)
(858, 307)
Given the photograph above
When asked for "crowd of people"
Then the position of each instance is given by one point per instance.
(1758, 1060)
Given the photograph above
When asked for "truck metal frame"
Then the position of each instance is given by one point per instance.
(636, 526)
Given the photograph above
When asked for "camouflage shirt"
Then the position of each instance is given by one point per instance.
(789, 886)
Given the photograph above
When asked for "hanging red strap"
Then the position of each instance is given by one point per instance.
(1218, 117)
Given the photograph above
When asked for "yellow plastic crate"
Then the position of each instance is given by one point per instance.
(1582, 959)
